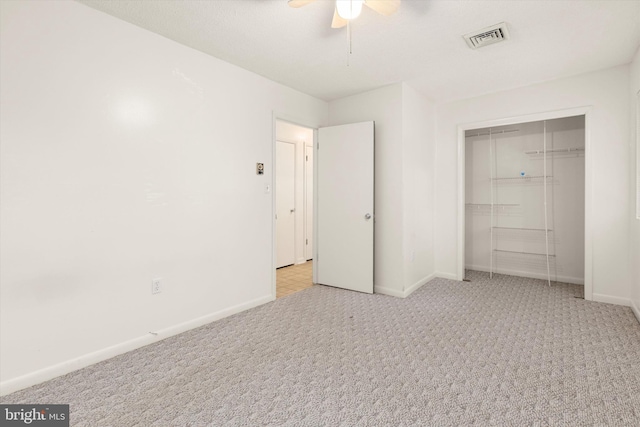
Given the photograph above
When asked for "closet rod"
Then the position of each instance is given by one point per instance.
(520, 177)
(523, 229)
(523, 253)
(493, 133)
(489, 204)
(555, 150)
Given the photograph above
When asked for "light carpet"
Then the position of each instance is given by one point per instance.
(507, 352)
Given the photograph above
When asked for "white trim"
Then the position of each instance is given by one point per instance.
(403, 294)
(610, 299)
(521, 273)
(74, 364)
(588, 241)
(314, 242)
(288, 141)
(274, 142)
(296, 214)
(636, 310)
(388, 291)
(418, 284)
(588, 210)
(308, 251)
(461, 204)
(450, 276)
(637, 160)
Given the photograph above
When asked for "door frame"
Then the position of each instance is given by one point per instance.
(588, 183)
(306, 196)
(313, 126)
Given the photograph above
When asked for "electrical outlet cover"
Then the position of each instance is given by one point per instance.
(156, 286)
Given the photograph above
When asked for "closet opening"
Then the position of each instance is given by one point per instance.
(524, 188)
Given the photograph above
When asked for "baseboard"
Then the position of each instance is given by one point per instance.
(636, 309)
(300, 261)
(406, 292)
(388, 291)
(418, 284)
(610, 299)
(68, 366)
(449, 276)
(521, 273)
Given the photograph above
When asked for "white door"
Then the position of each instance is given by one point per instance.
(344, 214)
(285, 203)
(308, 202)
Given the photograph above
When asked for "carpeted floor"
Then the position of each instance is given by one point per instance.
(506, 352)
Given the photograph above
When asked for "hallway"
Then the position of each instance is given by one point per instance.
(294, 278)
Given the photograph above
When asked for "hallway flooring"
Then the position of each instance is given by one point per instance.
(294, 278)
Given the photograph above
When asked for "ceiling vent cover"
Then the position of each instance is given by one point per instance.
(486, 36)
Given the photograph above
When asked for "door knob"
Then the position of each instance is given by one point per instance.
(292, 210)
(367, 216)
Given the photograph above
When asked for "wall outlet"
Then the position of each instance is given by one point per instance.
(156, 286)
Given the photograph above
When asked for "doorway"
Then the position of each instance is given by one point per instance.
(525, 200)
(521, 186)
(338, 206)
(293, 207)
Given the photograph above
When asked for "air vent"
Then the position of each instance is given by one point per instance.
(486, 36)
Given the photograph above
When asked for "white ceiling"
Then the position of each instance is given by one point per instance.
(420, 44)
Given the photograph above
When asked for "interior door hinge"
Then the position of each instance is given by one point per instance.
(307, 158)
(306, 241)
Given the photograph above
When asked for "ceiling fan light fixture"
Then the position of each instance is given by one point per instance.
(349, 9)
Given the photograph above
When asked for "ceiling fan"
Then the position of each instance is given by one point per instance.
(350, 9)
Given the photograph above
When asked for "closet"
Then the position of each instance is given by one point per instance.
(525, 200)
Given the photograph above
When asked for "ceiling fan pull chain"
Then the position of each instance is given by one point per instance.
(348, 42)
(349, 51)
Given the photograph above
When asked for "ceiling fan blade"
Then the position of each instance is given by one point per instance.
(299, 3)
(338, 22)
(383, 7)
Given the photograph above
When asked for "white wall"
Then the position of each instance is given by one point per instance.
(607, 92)
(404, 159)
(125, 157)
(418, 161)
(634, 224)
(301, 137)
